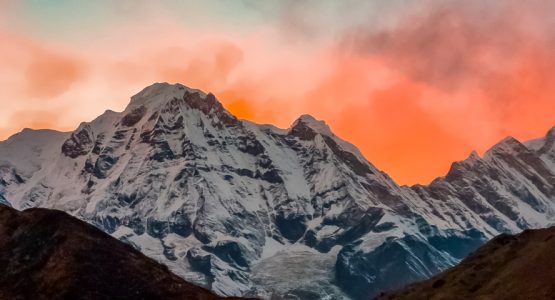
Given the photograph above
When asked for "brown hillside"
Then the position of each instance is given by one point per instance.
(47, 254)
(507, 267)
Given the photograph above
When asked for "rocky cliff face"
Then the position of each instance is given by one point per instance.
(227, 203)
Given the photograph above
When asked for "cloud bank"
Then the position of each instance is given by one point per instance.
(414, 84)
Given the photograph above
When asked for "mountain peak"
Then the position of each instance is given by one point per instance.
(473, 156)
(306, 127)
(159, 93)
(551, 133)
(548, 142)
(307, 118)
(508, 144)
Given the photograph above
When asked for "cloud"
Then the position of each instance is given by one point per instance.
(387, 115)
(451, 43)
(476, 73)
(416, 85)
(34, 119)
(51, 74)
(208, 65)
(41, 70)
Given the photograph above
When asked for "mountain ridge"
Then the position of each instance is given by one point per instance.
(215, 197)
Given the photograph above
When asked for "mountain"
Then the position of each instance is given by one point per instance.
(47, 254)
(507, 267)
(255, 210)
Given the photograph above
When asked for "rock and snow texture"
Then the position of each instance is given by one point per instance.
(248, 209)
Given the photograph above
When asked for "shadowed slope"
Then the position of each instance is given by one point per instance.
(47, 254)
(507, 267)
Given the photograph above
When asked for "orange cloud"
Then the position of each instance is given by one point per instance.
(523, 100)
(385, 115)
(35, 119)
(414, 96)
(466, 77)
(208, 66)
(399, 135)
(42, 71)
(50, 74)
(241, 107)
(33, 74)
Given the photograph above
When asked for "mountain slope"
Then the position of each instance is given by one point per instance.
(225, 203)
(507, 267)
(47, 254)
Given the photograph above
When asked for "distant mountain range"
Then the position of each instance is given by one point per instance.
(253, 210)
(47, 254)
(507, 267)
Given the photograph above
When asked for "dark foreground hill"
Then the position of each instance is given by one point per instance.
(508, 267)
(47, 254)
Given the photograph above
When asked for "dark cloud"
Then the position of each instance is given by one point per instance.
(452, 43)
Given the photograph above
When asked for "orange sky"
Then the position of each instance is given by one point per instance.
(414, 87)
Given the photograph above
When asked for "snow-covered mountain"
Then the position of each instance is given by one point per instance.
(250, 209)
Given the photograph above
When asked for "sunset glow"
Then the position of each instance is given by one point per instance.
(415, 85)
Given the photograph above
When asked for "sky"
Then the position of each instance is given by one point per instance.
(415, 84)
